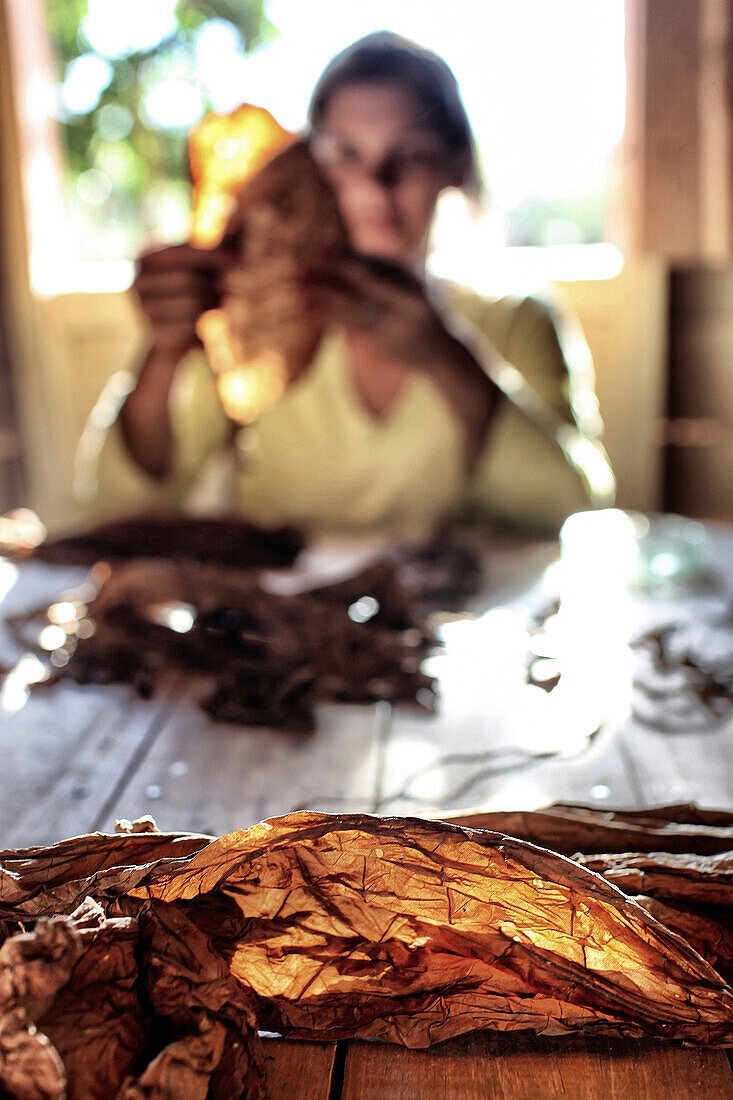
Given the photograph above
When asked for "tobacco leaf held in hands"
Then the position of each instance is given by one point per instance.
(327, 927)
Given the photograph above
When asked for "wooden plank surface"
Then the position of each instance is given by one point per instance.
(76, 758)
(669, 127)
(681, 767)
(492, 1066)
(63, 748)
(298, 1071)
(496, 741)
(211, 777)
(65, 754)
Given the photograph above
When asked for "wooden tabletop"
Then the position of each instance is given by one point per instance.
(77, 758)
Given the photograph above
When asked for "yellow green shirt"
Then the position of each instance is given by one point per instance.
(319, 459)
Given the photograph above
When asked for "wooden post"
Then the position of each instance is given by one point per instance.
(679, 142)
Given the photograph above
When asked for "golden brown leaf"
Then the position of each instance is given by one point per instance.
(73, 1021)
(707, 880)
(417, 931)
(55, 879)
(335, 926)
(568, 828)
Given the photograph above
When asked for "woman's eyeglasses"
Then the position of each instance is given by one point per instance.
(343, 161)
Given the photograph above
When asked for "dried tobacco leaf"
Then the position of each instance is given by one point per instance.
(185, 1068)
(271, 657)
(228, 541)
(683, 829)
(55, 879)
(33, 967)
(258, 657)
(69, 1003)
(707, 929)
(442, 572)
(73, 1021)
(95, 1021)
(327, 927)
(418, 931)
(212, 1052)
(30, 1066)
(706, 880)
(570, 828)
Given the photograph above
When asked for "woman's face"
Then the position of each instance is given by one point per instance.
(386, 166)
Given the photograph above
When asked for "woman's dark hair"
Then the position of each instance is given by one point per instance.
(384, 57)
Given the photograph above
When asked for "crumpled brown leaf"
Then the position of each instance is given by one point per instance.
(75, 1022)
(568, 828)
(189, 984)
(269, 656)
(227, 540)
(707, 929)
(55, 879)
(418, 931)
(657, 848)
(30, 1066)
(707, 880)
(326, 927)
(185, 1068)
(95, 1020)
(68, 989)
(33, 966)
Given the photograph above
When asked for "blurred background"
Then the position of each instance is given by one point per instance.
(604, 136)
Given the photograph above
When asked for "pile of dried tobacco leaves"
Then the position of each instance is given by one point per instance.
(259, 657)
(176, 595)
(141, 965)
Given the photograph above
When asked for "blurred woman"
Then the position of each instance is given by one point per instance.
(420, 401)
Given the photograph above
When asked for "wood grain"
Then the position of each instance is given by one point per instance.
(491, 1066)
(63, 748)
(298, 1071)
(65, 754)
(466, 755)
(212, 777)
(672, 181)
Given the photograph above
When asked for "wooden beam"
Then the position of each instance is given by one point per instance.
(672, 131)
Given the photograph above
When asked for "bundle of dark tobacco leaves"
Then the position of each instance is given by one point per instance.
(322, 927)
(262, 658)
(224, 540)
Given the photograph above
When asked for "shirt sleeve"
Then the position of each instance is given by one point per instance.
(107, 480)
(543, 457)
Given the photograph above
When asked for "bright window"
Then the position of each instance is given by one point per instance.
(543, 81)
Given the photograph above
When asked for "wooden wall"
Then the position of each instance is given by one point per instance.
(680, 129)
(679, 146)
(699, 453)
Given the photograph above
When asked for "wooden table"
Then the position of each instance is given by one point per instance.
(75, 759)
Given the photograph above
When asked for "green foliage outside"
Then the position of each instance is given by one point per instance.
(126, 170)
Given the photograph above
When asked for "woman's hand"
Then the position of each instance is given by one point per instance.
(378, 302)
(385, 310)
(175, 286)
